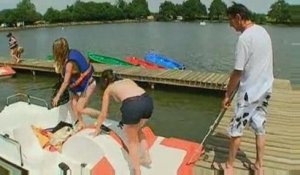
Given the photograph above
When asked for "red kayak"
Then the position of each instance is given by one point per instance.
(140, 62)
(6, 72)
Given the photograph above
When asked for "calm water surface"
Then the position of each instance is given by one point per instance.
(204, 48)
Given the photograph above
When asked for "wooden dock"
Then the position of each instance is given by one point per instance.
(185, 78)
(282, 153)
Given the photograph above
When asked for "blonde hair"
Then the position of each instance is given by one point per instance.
(60, 53)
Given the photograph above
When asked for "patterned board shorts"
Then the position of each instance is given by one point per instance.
(252, 114)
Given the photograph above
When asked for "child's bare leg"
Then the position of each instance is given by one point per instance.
(133, 147)
(145, 158)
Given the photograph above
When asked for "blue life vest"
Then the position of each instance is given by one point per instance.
(79, 84)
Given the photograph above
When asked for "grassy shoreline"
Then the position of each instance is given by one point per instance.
(47, 25)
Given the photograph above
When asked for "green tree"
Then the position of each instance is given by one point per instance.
(138, 9)
(108, 12)
(26, 12)
(8, 16)
(279, 12)
(167, 10)
(123, 6)
(92, 11)
(52, 15)
(179, 9)
(259, 18)
(295, 14)
(193, 9)
(65, 16)
(217, 10)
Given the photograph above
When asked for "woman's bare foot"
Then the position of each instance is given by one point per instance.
(79, 126)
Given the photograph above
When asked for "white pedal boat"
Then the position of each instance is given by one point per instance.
(82, 153)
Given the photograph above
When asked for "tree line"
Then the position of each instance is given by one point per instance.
(189, 10)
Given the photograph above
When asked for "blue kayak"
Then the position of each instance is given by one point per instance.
(163, 61)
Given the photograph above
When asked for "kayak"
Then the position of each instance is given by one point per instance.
(50, 57)
(6, 72)
(107, 60)
(141, 62)
(163, 61)
(27, 147)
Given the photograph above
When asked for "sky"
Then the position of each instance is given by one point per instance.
(257, 6)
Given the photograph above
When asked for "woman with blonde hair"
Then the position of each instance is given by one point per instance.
(77, 73)
(136, 109)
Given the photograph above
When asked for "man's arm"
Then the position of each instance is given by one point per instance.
(234, 81)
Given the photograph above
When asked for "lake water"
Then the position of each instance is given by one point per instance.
(205, 48)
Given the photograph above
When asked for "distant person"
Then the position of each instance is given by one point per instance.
(15, 50)
(77, 73)
(136, 109)
(253, 77)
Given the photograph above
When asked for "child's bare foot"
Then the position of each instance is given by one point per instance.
(137, 172)
(145, 161)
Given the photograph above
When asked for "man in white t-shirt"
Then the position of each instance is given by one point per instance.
(253, 78)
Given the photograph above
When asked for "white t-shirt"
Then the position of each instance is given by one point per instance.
(254, 57)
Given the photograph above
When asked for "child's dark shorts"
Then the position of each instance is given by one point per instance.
(136, 108)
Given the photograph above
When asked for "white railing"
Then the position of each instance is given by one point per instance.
(13, 147)
(29, 99)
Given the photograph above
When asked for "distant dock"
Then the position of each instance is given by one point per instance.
(184, 78)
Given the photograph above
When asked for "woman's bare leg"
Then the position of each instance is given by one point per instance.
(74, 101)
(94, 113)
(133, 146)
(83, 101)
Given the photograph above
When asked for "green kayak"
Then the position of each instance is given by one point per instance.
(50, 57)
(107, 60)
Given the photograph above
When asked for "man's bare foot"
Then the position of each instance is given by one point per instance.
(228, 170)
(258, 170)
(216, 165)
